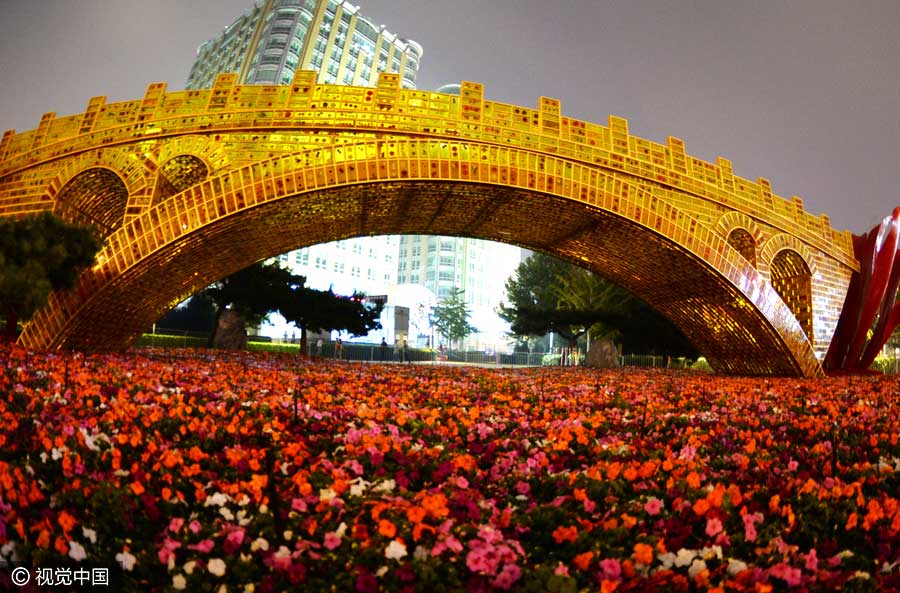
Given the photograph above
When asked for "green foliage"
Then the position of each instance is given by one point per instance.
(198, 314)
(322, 310)
(261, 289)
(549, 295)
(253, 292)
(39, 254)
(451, 316)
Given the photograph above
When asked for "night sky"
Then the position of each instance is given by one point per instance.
(804, 93)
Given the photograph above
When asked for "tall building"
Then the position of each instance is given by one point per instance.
(274, 38)
(266, 45)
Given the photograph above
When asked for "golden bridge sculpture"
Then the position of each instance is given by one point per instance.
(187, 187)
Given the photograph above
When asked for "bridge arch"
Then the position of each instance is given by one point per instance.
(791, 269)
(177, 174)
(427, 186)
(96, 197)
(742, 234)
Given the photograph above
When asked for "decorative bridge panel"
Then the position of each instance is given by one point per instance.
(189, 186)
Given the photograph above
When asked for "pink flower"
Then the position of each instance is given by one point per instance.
(483, 558)
(194, 526)
(205, 546)
(561, 570)
(234, 540)
(611, 569)
(791, 576)
(812, 561)
(653, 506)
(175, 524)
(168, 550)
(507, 577)
(332, 540)
(750, 525)
(713, 526)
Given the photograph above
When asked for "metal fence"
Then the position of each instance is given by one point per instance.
(367, 352)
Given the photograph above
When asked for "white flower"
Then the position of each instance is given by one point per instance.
(341, 530)
(89, 534)
(386, 486)
(225, 512)
(125, 560)
(217, 499)
(288, 535)
(259, 544)
(381, 571)
(667, 560)
(76, 551)
(189, 566)
(179, 582)
(697, 566)
(327, 494)
(283, 552)
(736, 566)
(216, 566)
(223, 588)
(684, 557)
(395, 550)
(358, 487)
(421, 553)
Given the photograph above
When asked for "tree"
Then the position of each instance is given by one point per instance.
(321, 310)
(256, 291)
(451, 317)
(250, 294)
(546, 294)
(198, 314)
(39, 254)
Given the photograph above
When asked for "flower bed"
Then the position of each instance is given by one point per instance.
(209, 471)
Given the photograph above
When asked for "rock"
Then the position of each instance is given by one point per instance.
(230, 334)
(602, 355)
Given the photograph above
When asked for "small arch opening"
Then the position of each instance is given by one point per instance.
(792, 280)
(744, 243)
(95, 197)
(178, 174)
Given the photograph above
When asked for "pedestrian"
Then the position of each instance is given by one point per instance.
(339, 349)
(319, 344)
(383, 349)
(404, 354)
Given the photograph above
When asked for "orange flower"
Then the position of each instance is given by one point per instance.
(565, 534)
(693, 480)
(643, 554)
(61, 546)
(583, 561)
(436, 505)
(608, 586)
(701, 506)
(386, 528)
(66, 521)
(415, 514)
(137, 488)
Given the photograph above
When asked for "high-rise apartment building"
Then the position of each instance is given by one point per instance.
(266, 45)
(274, 38)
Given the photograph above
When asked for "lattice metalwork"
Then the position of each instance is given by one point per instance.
(286, 167)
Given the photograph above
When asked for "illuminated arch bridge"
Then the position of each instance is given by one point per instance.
(187, 187)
